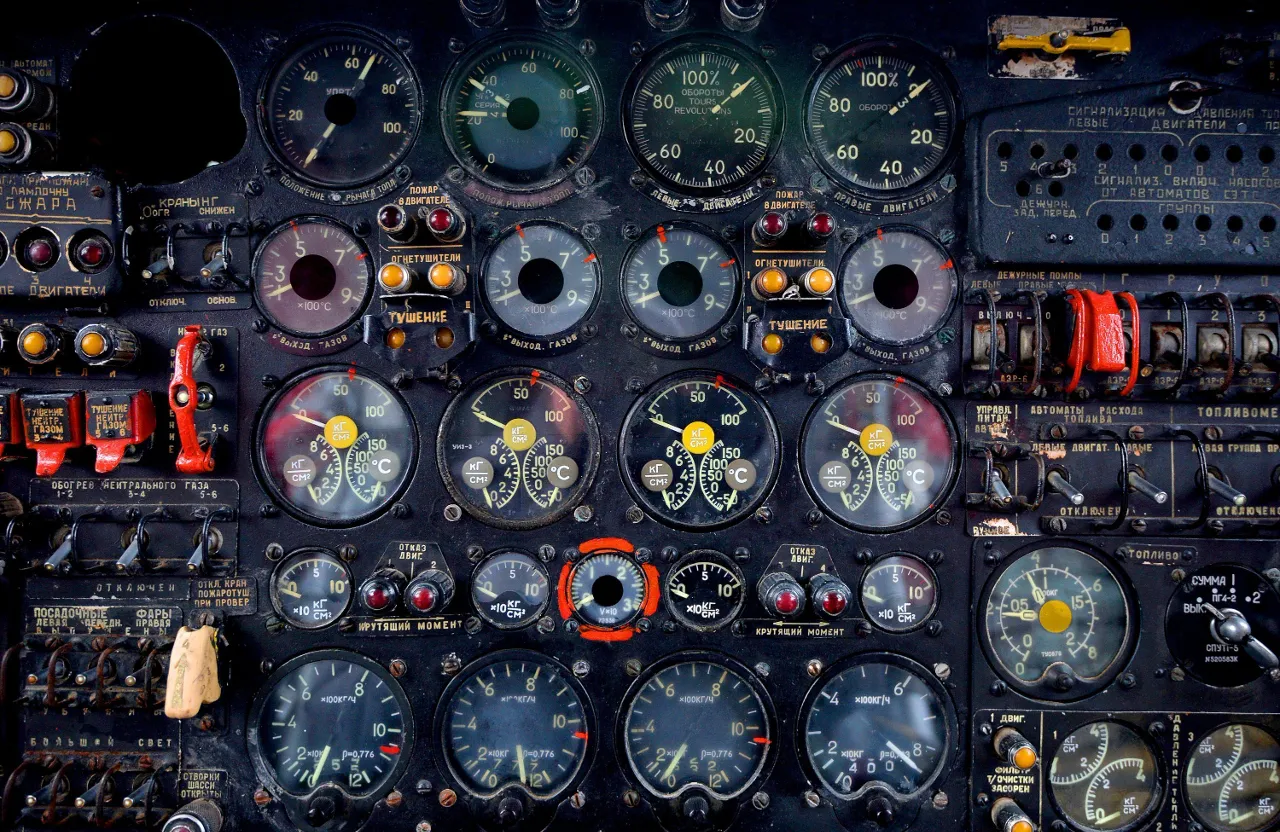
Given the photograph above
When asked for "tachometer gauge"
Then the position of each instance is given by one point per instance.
(510, 590)
(311, 589)
(704, 590)
(333, 718)
(699, 451)
(899, 593)
(540, 282)
(515, 718)
(1223, 625)
(342, 110)
(1104, 777)
(311, 277)
(698, 723)
(878, 453)
(608, 590)
(518, 448)
(898, 286)
(703, 116)
(336, 446)
(1058, 623)
(521, 113)
(1232, 781)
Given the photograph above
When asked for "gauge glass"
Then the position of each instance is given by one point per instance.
(697, 723)
(521, 113)
(880, 119)
(343, 110)
(705, 590)
(1232, 780)
(1194, 631)
(899, 593)
(1104, 777)
(703, 116)
(515, 721)
(540, 279)
(339, 721)
(679, 282)
(337, 446)
(878, 453)
(510, 590)
(608, 590)
(311, 277)
(898, 286)
(311, 589)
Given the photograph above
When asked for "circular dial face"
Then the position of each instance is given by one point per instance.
(540, 279)
(340, 720)
(705, 590)
(880, 119)
(311, 277)
(1196, 633)
(679, 282)
(876, 722)
(697, 724)
(703, 116)
(1232, 781)
(899, 593)
(898, 286)
(311, 589)
(343, 110)
(1054, 614)
(337, 446)
(699, 451)
(521, 113)
(518, 449)
(1104, 777)
(516, 721)
(878, 453)
(608, 590)
(510, 590)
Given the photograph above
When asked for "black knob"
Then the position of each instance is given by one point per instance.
(484, 13)
(666, 15)
(1063, 678)
(781, 595)
(510, 810)
(880, 810)
(430, 592)
(22, 97)
(742, 15)
(321, 810)
(381, 592)
(696, 809)
(559, 14)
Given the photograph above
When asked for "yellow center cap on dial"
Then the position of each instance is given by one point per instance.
(8, 141)
(1055, 616)
(519, 434)
(698, 437)
(876, 440)
(341, 432)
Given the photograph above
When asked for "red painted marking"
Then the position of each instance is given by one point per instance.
(294, 225)
(361, 256)
(726, 264)
(351, 373)
(898, 380)
(719, 381)
(761, 740)
(879, 234)
(582, 735)
(590, 258)
(662, 235)
(520, 231)
(533, 377)
(948, 264)
(389, 749)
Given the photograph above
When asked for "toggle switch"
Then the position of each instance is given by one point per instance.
(193, 673)
(1231, 627)
(1015, 749)
(1098, 338)
(115, 423)
(1146, 488)
(1058, 482)
(53, 424)
(131, 561)
(1220, 487)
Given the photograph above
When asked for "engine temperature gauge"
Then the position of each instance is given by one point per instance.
(540, 281)
(311, 277)
(898, 286)
(899, 593)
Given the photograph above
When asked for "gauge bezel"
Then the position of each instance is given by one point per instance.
(488, 560)
(1181, 787)
(878, 563)
(702, 556)
(1159, 777)
(259, 451)
(301, 554)
(916, 231)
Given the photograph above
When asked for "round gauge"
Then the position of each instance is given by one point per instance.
(704, 590)
(898, 286)
(515, 719)
(699, 451)
(510, 590)
(695, 723)
(342, 110)
(311, 277)
(878, 453)
(899, 593)
(1223, 625)
(608, 590)
(1104, 776)
(333, 718)
(881, 118)
(1058, 623)
(336, 446)
(518, 449)
(541, 280)
(521, 113)
(311, 589)
(679, 283)
(1232, 781)
(876, 719)
(703, 116)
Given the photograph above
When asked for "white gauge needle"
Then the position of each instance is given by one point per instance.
(870, 593)
(679, 593)
(508, 296)
(675, 761)
(315, 151)
(504, 102)
(1099, 821)
(484, 590)
(477, 84)
(1036, 592)
(324, 758)
(844, 427)
(902, 755)
(586, 599)
(484, 417)
(893, 111)
(275, 293)
(1244, 817)
(524, 778)
(368, 66)
(666, 425)
(308, 420)
(643, 299)
(737, 91)
(1022, 615)
(862, 298)
(474, 114)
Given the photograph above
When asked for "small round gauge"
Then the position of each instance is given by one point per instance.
(878, 453)
(518, 449)
(1058, 623)
(510, 590)
(521, 113)
(333, 718)
(876, 719)
(311, 589)
(881, 117)
(703, 116)
(704, 590)
(699, 451)
(336, 446)
(608, 590)
(342, 110)
(698, 723)
(1232, 781)
(1105, 777)
(311, 277)
(1223, 625)
(541, 280)
(515, 719)
(899, 593)
(898, 286)
(679, 283)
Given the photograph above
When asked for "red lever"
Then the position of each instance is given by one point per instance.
(1098, 339)
(114, 421)
(1135, 355)
(54, 424)
(194, 456)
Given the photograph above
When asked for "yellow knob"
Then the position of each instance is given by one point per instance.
(93, 344)
(393, 276)
(35, 343)
(8, 86)
(1025, 758)
(771, 281)
(8, 141)
(772, 343)
(820, 280)
(1022, 826)
(820, 342)
(443, 276)
(395, 338)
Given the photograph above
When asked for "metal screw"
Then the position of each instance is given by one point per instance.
(400, 511)
(582, 385)
(943, 518)
(811, 799)
(760, 800)
(578, 800)
(395, 800)
(631, 798)
(274, 551)
(764, 515)
(998, 688)
(398, 667)
(581, 668)
(347, 552)
(1178, 674)
(475, 552)
(450, 665)
(448, 797)
(453, 512)
(583, 514)
(942, 670)
(813, 668)
(472, 625)
(422, 786)
(761, 669)
(635, 515)
(633, 667)
(423, 826)
(940, 800)
(262, 797)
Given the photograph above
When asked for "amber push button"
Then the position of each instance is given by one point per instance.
(1015, 749)
(193, 673)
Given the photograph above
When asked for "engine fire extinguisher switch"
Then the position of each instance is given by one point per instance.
(53, 424)
(116, 421)
(195, 456)
(1097, 343)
